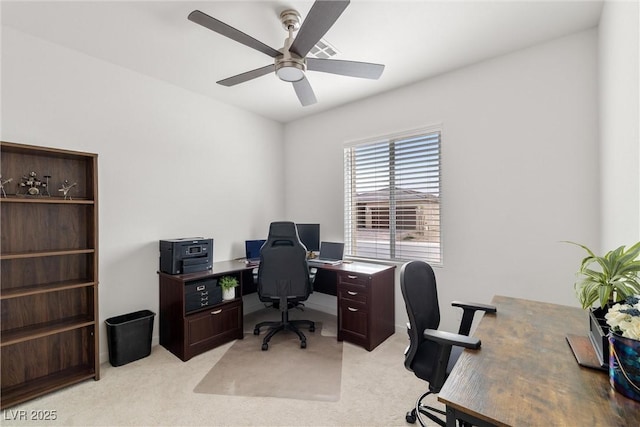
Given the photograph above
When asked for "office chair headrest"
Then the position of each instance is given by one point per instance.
(283, 229)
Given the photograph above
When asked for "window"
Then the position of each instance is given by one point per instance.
(392, 198)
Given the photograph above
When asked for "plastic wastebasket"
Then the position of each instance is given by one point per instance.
(129, 336)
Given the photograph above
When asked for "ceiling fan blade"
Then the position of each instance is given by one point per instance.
(228, 31)
(365, 70)
(321, 17)
(249, 75)
(304, 92)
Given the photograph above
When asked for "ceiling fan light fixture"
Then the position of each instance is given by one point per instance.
(291, 61)
(290, 71)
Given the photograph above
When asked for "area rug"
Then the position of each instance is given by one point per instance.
(285, 370)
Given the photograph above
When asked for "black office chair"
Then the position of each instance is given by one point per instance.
(283, 279)
(431, 354)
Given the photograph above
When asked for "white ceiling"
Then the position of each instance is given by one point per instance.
(414, 39)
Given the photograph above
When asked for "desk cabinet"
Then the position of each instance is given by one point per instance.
(366, 311)
(212, 327)
(193, 319)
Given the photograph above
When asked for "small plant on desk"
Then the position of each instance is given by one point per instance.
(605, 280)
(228, 284)
(617, 276)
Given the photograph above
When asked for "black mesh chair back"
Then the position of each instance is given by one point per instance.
(431, 353)
(418, 286)
(283, 269)
(283, 279)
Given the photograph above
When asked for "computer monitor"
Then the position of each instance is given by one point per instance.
(252, 249)
(309, 236)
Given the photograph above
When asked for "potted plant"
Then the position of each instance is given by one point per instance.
(606, 280)
(624, 344)
(228, 284)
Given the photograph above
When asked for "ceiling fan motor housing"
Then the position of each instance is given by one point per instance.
(290, 19)
(290, 67)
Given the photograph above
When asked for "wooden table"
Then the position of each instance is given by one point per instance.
(526, 374)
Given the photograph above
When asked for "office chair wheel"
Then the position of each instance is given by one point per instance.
(256, 331)
(303, 344)
(265, 347)
(411, 417)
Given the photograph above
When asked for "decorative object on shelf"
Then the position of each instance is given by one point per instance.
(66, 188)
(624, 347)
(45, 191)
(228, 284)
(32, 185)
(615, 277)
(2, 184)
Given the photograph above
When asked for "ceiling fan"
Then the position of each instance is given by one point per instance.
(291, 62)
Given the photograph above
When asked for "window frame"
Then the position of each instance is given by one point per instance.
(353, 221)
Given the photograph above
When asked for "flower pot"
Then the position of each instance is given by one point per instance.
(598, 332)
(624, 365)
(228, 294)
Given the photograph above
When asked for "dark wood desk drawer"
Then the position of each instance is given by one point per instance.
(345, 277)
(353, 322)
(352, 293)
(213, 327)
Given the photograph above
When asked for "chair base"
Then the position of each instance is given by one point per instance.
(414, 415)
(284, 325)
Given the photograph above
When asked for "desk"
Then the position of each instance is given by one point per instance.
(526, 374)
(188, 329)
(365, 300)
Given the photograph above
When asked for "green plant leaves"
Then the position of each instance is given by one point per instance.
(617, 277)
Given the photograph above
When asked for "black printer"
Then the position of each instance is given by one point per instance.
(186, 255)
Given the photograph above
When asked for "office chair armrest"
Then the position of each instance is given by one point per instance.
(474, 306)
(469, 310)
(448, 338)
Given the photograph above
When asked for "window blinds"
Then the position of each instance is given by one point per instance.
(392, 198)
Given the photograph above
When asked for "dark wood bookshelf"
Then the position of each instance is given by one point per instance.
(49, 274)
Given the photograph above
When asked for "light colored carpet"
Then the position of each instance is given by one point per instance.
(284, 370)
(376, 390)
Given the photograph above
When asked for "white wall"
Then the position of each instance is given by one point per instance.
(619, 94)
(171, 163)
(519, 169)
(520, 162)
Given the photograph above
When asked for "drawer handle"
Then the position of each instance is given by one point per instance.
(352, 277)
(352, 309)
(352, 293)
(201, 288)
(216, 312)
